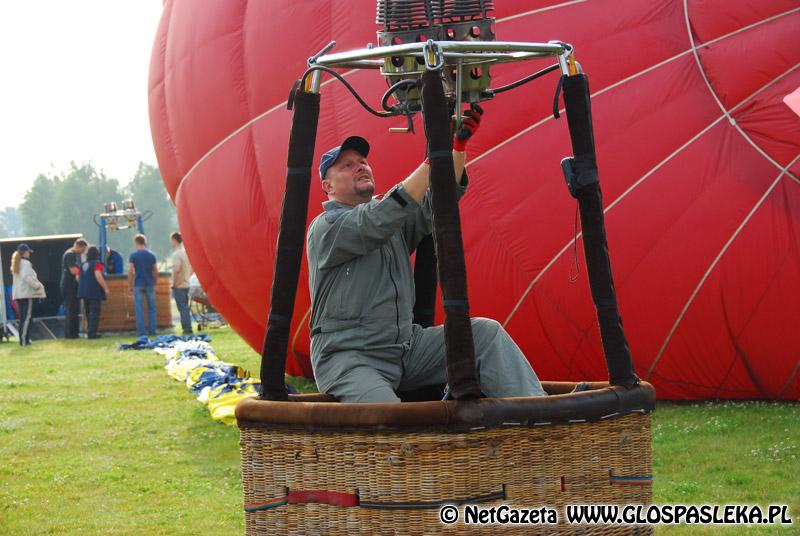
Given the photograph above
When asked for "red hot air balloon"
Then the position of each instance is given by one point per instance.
(698, 150)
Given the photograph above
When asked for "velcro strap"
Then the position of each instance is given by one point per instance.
(586, 169)
(277, 319)
(298, 170)
(458, 304)
(444, 153)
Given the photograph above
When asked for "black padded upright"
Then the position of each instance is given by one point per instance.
(425, 283)
(585, 186)
(459, 346)
(291, 239)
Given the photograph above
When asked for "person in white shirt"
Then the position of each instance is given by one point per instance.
(25, 288)
(181, 272)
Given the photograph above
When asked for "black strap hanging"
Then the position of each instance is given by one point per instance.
(560, 84)
(291, 238)
(583, 182)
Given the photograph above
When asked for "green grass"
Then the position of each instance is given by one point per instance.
(96, 441)
(728, 453)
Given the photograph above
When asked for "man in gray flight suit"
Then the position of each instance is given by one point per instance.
(364, 346)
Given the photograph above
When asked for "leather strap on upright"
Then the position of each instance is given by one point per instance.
(291, 238)
(585, 185)
(459, 347)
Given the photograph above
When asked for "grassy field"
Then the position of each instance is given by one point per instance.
(96, 441)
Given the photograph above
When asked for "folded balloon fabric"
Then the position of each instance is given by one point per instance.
(162, 341)
(191, 360)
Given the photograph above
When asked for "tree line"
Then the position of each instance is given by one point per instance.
(10, 222)
(68, 202)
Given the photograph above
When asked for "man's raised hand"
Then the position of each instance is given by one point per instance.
(469, 125)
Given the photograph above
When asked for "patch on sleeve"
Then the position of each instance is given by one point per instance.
(397, 197)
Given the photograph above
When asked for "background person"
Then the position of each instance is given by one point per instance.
(92, 289)
(70, 272)
(181, 273)
(25, 288)
(142, 277)
(114, 262)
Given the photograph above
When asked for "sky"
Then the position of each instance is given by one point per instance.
(73, 87)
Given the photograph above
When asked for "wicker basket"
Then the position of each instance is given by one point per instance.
(329, 468)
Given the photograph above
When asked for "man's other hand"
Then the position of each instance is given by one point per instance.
(469, 126)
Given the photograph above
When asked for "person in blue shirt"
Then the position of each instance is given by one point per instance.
(92, 289)
(114, 262)
(142, 277)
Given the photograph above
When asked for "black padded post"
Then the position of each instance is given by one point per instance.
(424, 310)
(291, 238)
(584, 184)
(425, 283)
(459, 346)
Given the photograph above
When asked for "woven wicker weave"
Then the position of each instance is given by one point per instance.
(526, 466)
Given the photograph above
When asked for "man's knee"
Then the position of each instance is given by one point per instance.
(486, 328)
(488, 323)
(350, 393)
(362, 384)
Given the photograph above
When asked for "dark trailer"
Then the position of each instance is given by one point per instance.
(46, 258)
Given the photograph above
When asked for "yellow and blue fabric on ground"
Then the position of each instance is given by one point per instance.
(191, 360)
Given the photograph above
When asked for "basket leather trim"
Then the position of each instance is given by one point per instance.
(598, 402)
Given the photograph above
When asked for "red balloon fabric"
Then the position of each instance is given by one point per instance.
(697, 146)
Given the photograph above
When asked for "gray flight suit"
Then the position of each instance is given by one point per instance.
(364, 345)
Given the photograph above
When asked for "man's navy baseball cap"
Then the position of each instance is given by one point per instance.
(357, 143)
(23, 248)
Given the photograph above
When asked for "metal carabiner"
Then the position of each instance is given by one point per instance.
(563, 58)
(434, 57)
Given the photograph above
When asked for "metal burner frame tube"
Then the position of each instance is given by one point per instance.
(495, 51)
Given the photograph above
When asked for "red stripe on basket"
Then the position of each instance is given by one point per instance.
(334, 498)
(563, 484)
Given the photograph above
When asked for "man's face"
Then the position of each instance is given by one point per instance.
(349, 180)
(80, 250)
(174, 243)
